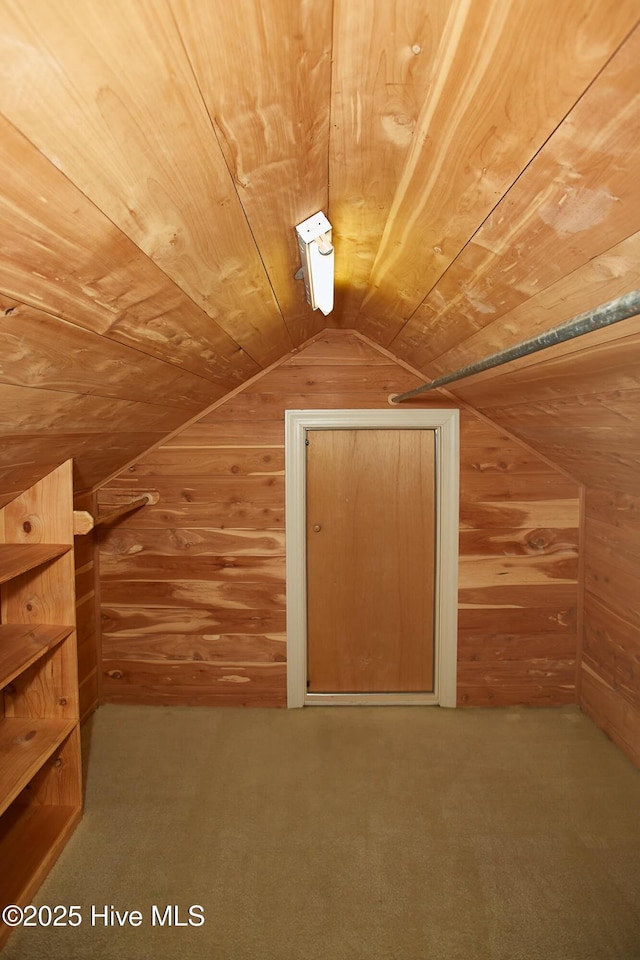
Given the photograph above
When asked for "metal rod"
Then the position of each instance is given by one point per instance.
(620, 309)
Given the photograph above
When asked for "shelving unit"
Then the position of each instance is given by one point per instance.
(40, 762)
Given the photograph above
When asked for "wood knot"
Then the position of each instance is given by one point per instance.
(25, 737)
(26, 526)
(537, 544)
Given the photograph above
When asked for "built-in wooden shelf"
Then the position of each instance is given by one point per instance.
(22, 644)
(31, 838)
(17, 558)
(25, 745)
(40, 761)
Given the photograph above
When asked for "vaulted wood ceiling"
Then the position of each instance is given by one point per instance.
(478, 160)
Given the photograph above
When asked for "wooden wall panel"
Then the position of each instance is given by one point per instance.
(24, 455)
(502, 82)
(385, 59)
(265, 77)
(195, 683)
(61, 254)
(85, 316)
(610, 681)
(578, 403)
(193, 586)
(603, 278)
(576, 200)
(28, 410)
(518, 574)
(41, 350)
(117, 109)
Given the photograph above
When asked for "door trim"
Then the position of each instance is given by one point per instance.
(446, 425)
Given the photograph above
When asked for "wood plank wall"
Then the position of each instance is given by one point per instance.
(193, 588)
(517, 618)
(578, 402)
(610, 674)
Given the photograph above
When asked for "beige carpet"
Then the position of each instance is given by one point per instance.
(364, 833)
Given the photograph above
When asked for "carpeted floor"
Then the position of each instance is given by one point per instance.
(383, 833)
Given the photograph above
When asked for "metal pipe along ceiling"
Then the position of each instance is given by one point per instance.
(612, 312)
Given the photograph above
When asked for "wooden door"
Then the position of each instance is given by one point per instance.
(370, 560)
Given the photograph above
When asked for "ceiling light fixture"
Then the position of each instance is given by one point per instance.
(316, 257)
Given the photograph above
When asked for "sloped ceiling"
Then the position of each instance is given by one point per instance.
(478, 160)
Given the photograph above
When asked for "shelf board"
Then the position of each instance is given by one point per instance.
(31, 839)
(25, 744)
(17, 558)
(22, 644)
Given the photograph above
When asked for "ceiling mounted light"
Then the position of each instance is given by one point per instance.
(316, 257)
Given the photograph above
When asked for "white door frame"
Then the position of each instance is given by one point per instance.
(446, 426)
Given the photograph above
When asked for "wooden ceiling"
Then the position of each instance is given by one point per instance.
(478, 160)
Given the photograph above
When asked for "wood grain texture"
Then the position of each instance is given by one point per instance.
(27, 454)
(61, 254)
(22, 644)
(601, 279)
(580, 406)
(222, 648)
(385, 62)
(537, 682)
(87, 612)
(43, 515)
(179, 621)
(237, 461)
(60, 779)
(43, 351)
(265, 79)
(131, 549)
(233, 434)
(28, 411)
(517, 575)
(37, 739)
(610, 667)
(90, 316)
(612, 649)
(151, 162)
(483, 120)
(191, 578)
(578, 197)
(611, 365)
(618, 718)
(371, 550)
(195, 684)
(30, 830)
(224, 502)
(19, 558)
(39, 701)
